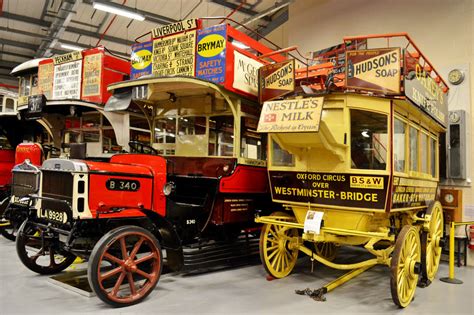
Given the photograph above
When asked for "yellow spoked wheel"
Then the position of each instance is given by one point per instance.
(430, 242)
(327, 250)
(405, 266)
(278, 250)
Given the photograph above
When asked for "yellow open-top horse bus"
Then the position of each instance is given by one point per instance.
(353, 158)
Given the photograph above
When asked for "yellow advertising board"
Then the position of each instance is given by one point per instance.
(374, 70)
(23, 100)
(92, 75)
(45, 79)
(298, 115)
(173, 28)
(72, 56)
(174, 55)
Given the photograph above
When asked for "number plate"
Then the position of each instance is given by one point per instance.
(17, 200)
(53, 215)
(122, 184)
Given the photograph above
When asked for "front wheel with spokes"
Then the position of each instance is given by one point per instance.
(430, 242)
(40, 251)
(405, 266)
(277, 246)
(125, 266)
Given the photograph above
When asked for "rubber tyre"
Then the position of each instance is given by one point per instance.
(96, 256)
(4, 230)
(21, 241)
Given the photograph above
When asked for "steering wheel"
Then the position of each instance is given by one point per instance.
(139, 147)
(47, 148)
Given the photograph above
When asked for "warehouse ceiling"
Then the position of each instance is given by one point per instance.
(37, 28)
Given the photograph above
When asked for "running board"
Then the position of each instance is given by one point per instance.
(242, 251)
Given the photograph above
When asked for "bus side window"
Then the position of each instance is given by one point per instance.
(9, 105)
(433, 154)
(413, 149)
(281, 157)
(221, 136)
(251, 142)
(399, 142)
(369, 140)
(424, 152)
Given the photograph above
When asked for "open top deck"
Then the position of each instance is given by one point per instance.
(386, 65)
(361, 131)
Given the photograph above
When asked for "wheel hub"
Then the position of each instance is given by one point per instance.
(410, 267)
(130, 265)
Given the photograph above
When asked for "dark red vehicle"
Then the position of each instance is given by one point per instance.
(186, 198)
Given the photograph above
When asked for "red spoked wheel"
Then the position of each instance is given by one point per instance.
(125, 266)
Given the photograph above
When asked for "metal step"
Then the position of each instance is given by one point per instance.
(241, 251)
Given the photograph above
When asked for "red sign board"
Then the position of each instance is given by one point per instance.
(375, 70)
(276, 80)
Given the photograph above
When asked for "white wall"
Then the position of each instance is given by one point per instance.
(442, 29)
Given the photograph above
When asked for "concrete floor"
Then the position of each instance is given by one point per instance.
(237, 291)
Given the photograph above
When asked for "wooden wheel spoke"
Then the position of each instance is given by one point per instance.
(136, 247)
(277, 257)
(118, 284)
(110, 273)
(278, 261)
(272, 248)
(273, 233)
(285, 261)
(123, 247)
(400, 275)
(131, 283)
(144, 274)
(272, 254)
(145, 258)
(273, 241)
(114, 259)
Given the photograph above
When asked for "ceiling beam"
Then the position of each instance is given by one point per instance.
(112, 39)
(56, 50)
(21, 32)
(8, 77)
(25, 19)
(14, 54)
(233, 6)
(270, 12)
(8, 64)
(67, 9)
(275, 23)
(19, 44)
(69, 29)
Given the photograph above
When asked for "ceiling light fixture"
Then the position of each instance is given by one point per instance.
(118, 9)
(71, 47)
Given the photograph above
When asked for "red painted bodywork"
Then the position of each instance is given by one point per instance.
(201, 166)
(150, 171)
(110, 70)
(233, 34)
(31, 151)
(7, 161)
(245, 179)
